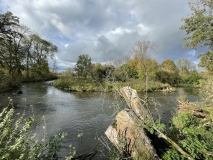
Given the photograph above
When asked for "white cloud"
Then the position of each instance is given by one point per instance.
(104, 29)
(142, 30)
(66, 45)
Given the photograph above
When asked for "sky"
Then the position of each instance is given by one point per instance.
(105, 29)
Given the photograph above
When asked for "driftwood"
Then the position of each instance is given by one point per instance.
(139, 143)
(128, 137)
(126, 134)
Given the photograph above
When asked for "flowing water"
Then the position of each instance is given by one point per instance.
(83, 116)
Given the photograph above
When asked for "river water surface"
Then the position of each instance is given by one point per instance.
(83, 116)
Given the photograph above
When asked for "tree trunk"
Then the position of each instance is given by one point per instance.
(127, 134)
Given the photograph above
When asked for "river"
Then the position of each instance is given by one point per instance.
(76, 113)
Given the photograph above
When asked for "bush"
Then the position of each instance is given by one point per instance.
(193, 129)
(6, 82)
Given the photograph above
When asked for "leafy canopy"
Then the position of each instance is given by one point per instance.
(83, 65)
(199, 24)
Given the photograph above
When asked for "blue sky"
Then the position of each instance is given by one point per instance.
(103, 29)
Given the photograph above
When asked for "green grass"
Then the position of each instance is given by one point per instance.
(88, 85)
(77, 84)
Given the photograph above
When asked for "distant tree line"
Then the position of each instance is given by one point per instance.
(22, 52)
(139, 65)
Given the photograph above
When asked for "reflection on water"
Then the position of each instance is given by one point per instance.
(78, 113)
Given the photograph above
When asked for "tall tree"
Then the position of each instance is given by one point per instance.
(199, 27)
(83, 65)
(11, 50)
(144, 51)
(206, 61)
(41, 51)
(199, 24)
(168, 72)
(21, 50)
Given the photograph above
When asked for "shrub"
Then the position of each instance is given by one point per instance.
(17, 142)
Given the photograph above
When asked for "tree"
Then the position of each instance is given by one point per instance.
(20, 50)
(149, 67)
(168, 72)
(40, 52)
(132, 68)
(99, 72)
(185, 65)
(11, 49)
(187, 71)
(142, 51)
(206, 61)
(199, 24)
(83, 65)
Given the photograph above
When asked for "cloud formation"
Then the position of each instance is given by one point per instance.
(105, 30)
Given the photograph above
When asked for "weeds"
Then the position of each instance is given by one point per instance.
(16, 141)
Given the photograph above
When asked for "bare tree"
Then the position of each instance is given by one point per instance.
(144, 51)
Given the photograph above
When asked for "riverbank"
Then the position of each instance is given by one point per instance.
(187, 85)
(190, 135)
(78, 112)
(7, 83)
(5, 80)
(90, 85)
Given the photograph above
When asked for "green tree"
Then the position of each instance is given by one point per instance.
(168, 72)
(148, 67)
(132, 68)
(198, 27)
(20, 50)
(97, 71)
(206, 61)
(144, 51)
(11, 49)
(40, 52)
(187, 71)
(83, 65)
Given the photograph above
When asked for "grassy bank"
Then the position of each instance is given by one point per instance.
(77, 84)
(89, 85)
